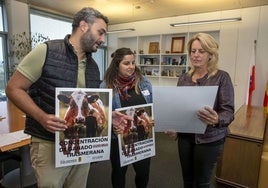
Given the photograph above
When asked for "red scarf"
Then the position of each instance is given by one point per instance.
(123, 84)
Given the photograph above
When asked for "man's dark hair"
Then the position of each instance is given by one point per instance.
(89, 15)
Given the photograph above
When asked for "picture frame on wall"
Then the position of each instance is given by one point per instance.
(153, 47)
(177, 44)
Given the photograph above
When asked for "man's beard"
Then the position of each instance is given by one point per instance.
(87, 42)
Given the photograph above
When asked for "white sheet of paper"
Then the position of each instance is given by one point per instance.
(13, 137)
(175, 108)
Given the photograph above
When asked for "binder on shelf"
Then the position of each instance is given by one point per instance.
(183, 60)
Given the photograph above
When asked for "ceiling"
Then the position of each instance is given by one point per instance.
(122, 11)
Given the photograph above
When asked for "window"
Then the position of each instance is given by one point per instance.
(56, 27)
(100, 58)
(53, 26)
(3, 53)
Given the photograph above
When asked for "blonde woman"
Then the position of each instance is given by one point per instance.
(200, 152)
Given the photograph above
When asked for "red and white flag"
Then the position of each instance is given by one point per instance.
(251, 74)
(265, 100)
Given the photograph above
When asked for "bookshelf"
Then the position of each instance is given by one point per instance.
(154, 57)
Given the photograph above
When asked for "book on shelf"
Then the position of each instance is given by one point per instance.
(183, 60)
(155, 72)
(148, 61)
(165, 73)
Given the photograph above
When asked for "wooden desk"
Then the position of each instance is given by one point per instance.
(12, 119)
(15, 145)
(240, 163)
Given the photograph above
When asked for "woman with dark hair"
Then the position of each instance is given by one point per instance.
(200, 152)
(130, 88)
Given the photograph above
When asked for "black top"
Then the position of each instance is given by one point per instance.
(134, 99)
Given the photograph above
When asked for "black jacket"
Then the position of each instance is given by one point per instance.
(60, 70)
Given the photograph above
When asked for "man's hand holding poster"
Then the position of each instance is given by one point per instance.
(137, 141)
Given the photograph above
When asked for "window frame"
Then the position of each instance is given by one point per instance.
(5, 51)
(102, 65)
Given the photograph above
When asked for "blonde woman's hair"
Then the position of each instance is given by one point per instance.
(210, 45)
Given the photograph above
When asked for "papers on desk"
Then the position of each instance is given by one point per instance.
(13, 137)
(175, 108)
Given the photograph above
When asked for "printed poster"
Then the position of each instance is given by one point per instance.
(137, 142)
(88, 114)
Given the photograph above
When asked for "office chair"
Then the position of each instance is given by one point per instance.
(5, 156)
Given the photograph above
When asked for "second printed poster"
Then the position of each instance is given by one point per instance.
(137, 141)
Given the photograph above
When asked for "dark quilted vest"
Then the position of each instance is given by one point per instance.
(60, 70)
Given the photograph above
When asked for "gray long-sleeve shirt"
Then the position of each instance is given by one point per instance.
(224, 104)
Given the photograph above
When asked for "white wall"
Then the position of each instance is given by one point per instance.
(262, 56)
(236, 43)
